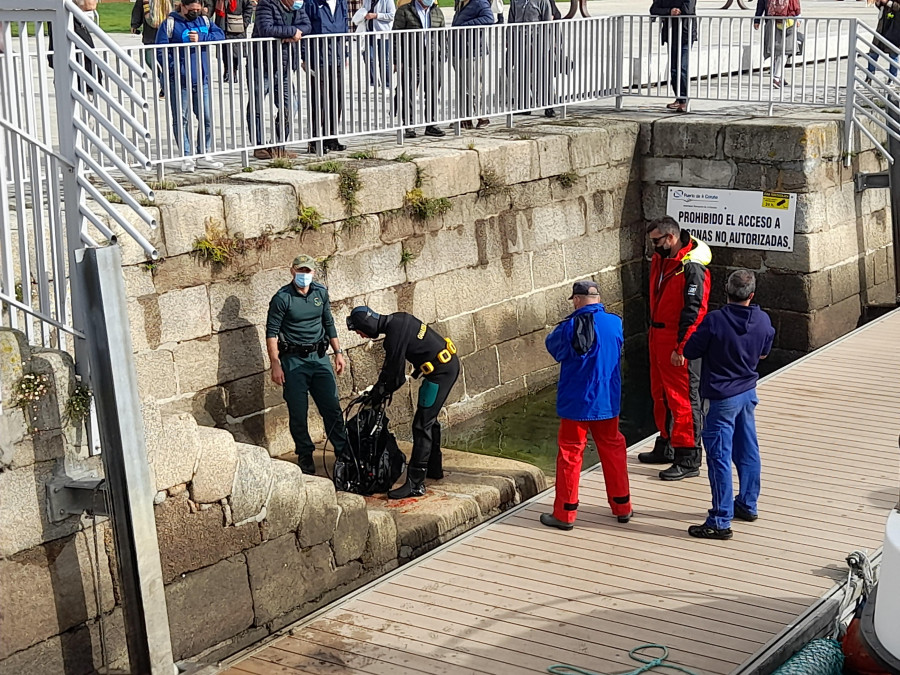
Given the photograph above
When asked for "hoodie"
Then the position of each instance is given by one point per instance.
(731, 341)
(588, 346)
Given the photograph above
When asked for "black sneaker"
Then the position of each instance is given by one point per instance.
(707, 532)
(625, 519)
(307, 466)
(678, 472)
(432, 130)
(410, 133)
(743, 514)
(550, 112)
(548, 520)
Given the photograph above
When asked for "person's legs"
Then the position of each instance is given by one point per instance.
(675, 55)
(203, 111)
(614, 460)
(694, 368)
(180, 103)
(892, 69)
(717, 437)
(677, 388)
(284, 103)
(683, 78)
(259, 88)
(324, 392)
(660, 410)
(746, 453)
(572, 438)
(295, 392)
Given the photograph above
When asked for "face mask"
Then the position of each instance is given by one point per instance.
(427, 3)
(664, 252)
(192, 15)
(298, 4)
(303, 279)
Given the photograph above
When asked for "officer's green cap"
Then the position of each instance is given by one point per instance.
(303, 260)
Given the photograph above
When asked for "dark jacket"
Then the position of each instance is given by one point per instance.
(191, 65)
(663, 8)
(242, 8)
(731, 341)
(407, 18)
(474, 13)
(82, 32)
(406, 338)
(274, 20)
(679, 290)
(325, 23)
(588, 346)
(139, 22)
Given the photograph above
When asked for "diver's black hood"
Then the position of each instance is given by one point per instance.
(367, 321)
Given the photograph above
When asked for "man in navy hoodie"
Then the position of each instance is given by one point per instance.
(731, 341)
(588, 346)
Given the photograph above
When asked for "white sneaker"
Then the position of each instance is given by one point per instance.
(187, 166)
(208, 162)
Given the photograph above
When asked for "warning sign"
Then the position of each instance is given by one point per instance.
(776, 200)
(736, 218)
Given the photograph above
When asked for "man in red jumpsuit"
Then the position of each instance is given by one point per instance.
(679, 292)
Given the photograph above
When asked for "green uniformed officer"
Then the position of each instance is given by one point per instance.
(299, 329)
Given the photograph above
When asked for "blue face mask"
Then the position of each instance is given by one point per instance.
(298, 4)
(427, 3)
(303, 279)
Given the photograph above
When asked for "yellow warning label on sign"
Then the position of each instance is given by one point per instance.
(776, 200)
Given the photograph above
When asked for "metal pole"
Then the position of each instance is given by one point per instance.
(894, 171)
(125, 465)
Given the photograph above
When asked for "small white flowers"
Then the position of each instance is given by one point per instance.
(31, 389)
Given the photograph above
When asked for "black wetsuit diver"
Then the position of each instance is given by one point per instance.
(434, 359)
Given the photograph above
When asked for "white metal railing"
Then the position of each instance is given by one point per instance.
(872, 91)
(56, 193)
(392, 81)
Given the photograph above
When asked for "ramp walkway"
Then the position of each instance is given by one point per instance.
(515, 597)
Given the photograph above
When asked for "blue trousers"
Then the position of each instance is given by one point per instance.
(729, 435)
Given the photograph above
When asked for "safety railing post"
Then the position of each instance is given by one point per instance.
(850, 93)
(619, 50)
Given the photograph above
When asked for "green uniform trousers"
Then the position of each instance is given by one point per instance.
(312, 375)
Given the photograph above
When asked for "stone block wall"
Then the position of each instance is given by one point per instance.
(529, 214)
(842, 258)
(248, 544)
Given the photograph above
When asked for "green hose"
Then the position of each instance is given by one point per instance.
(636, 655)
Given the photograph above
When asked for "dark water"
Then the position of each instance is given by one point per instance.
(525, 429)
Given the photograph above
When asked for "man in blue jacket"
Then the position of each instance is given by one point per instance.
(270, 67)
(731, 341)
(188, 77)
(588, 347)
(326, 59)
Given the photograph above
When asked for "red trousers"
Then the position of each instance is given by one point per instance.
(676, 400)
(611, 447)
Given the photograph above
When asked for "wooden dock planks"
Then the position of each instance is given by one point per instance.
(517, 597)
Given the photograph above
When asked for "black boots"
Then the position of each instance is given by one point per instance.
(413, 487)
(436, 458)
(687, 465)
(550, 521)
(662, 453)
(307, 465)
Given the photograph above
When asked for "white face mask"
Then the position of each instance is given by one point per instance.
(303, 279)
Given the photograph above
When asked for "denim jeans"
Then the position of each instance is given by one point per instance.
(729, 434)
(261, 84)
(679, 51)
(191, 101)
(893, 67)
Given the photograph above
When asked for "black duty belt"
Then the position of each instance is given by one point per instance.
(657, 324)
(302, 350)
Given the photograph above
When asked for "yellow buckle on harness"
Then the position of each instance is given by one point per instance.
(450, 346)
(427, 368)
(443, 356)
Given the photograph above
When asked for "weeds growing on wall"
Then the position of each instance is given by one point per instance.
(219, 247)
(421, 207)
(162, 185)
(30, 389)
(348, 187)
(308, 218)
(367, 153)
(492, 184)
(78, 405)
(567, 179)
(404, 157)
(281, 163)
(406, 257)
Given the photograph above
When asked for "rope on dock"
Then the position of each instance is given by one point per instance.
(637, 654)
